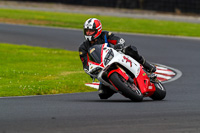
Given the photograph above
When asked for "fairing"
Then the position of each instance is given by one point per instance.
(101, 58)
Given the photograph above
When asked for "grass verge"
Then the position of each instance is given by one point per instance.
(72, 20)
(26, 70)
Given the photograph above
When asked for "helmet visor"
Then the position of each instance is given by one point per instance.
(89, 32)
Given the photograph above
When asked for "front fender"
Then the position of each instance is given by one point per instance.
(120, 71)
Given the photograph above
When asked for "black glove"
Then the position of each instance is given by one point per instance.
(119, 47)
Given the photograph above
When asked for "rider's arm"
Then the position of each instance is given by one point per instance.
(84, 57)
(114, 39)
(118, 42)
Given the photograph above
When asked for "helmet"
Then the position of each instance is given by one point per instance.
(92, 24)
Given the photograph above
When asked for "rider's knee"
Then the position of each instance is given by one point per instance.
(131, 50)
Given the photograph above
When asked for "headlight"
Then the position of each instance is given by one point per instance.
(96, 70)
(108, 57)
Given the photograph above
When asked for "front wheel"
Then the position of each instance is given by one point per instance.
(126, 88)
(160, 92)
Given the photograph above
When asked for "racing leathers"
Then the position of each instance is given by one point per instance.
(119, 44)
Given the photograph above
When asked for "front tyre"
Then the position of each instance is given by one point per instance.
(160, 92)
(126, 88)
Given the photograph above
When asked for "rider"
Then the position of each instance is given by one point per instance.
(94, 35)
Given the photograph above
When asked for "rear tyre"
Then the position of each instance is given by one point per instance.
(126, 88)
(160, 92)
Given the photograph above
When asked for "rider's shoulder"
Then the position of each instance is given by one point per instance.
(107, 33)
(84, 44)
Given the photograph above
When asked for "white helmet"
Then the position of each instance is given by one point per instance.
(92, 24)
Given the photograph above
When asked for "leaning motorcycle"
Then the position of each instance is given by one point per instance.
(123, 74)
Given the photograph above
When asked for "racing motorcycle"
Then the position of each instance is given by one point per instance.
(123, 74)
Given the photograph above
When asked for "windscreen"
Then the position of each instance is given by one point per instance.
(95, 53)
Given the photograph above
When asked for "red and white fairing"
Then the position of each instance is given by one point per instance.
(119, 58)
(122, 74)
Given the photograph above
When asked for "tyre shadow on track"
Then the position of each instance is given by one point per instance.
(114, 101)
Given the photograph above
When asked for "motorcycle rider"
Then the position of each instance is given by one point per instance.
(94, 35)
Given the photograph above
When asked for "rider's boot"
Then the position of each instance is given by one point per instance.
(149, 67)
(105, 92)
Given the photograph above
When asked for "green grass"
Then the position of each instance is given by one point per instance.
(26, 70)
(72, 20)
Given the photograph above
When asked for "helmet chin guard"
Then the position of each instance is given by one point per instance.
(89, 38)
(92, 24)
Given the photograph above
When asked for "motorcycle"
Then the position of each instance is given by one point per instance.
(123, 74)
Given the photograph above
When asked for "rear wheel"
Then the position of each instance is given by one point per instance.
(126, 88)
(160, 92)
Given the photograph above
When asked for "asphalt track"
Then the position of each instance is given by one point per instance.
(85, 113)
